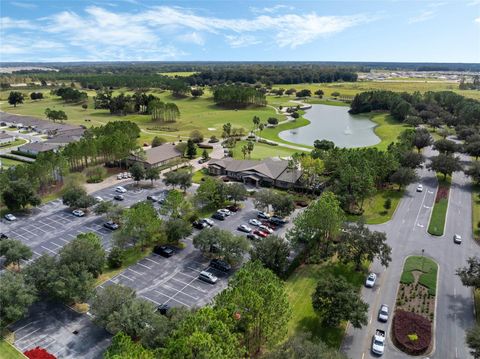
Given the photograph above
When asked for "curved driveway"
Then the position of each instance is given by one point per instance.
(407, 235)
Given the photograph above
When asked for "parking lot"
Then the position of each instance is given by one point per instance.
(61, 331)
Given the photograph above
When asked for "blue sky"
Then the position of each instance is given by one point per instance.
(342, 30)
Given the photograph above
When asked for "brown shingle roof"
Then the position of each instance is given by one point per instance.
(38, 147)
(6, 135)
(158, 154)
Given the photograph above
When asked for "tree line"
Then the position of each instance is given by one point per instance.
(238, 96)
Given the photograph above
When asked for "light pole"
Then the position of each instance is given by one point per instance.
(423, 258)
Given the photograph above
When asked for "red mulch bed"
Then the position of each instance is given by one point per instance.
(407, 323)
(442, 193)
(39, 353)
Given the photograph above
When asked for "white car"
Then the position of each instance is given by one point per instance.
(457, 239)
(255, 222)
(78, 213)
(125, 175)
(420, 188)
(224, 211)
(383, 313)
(378, 342)
(98, 199)
(120, 189)
(10, 217)
(265, 229)
(207, 277)
(119, 176)
(370, 282)
(263, 215)
(244, 228)
(208, 221)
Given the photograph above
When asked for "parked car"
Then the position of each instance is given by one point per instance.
(118, 197)
(10, 217)
(244, 228)
(129, 175)
(266, 229)
(163, 309)
(269, 225)
(119, 176)
(78, 213)
(277, 221)
(370, 282)
(233, 208)
(263, 215)
(98, 199)
(164, 251)
(260, 233)
(111, 225)
(220, 265)
(457, 238)
(219, 216)
(255, 222)
(199, 224)
(378, 342)
(253, 237)
(207, 277)
(153, 198)
(120, 189)
(3, 236)
(208, 221)
(383, 313)
(225, 211)
(125, 175)
(420, 188)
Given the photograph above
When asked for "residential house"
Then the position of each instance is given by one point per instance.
(157, 156)
(6, 137)
(35, 148)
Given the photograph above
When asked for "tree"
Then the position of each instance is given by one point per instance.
(358, 244)
(258, 299)
(15, 297)
(272, 121)
(445, 164)
(115, 257)
(56, 115)
(301, 346)
(197, 92)
(152, 174)
(112, 211)
(177, 229)
(19, 194)
(173, 204)
(470, 275)
(273, 253)
(414, 121)
(123, 347)
(473, 341)
(158, 141)
(181, 178)
(196, 136)
(76, 196)
(400, 110)
(36, 95)
(319, 93)
(225, 244)
(15, 98)
(206, 333)
(319, 224)
(387, 204)
(473, 149)
(403, 176)
(335, 300)
(140, 225)
(445, 146)
(236, 192)
(211, 193)
(335, 94)
(421, 139)
(138, 172)
(324, 145)
(474, 171)
(256, 122)
(205, 155)
(85, 250)
(191, 151)
(411, 159)
(14, 251)
(108, 301)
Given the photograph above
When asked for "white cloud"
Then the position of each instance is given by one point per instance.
(241, 40)
(24, 5)
(477, 20)
(192, 37)
(271, 10)
(9, 23)
(423, 16)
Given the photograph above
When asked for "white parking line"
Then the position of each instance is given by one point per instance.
(187, 275)
(169, 299)
(191, 285)
(195, 270)
(45, 224)
(38, 254)
(26, 325)
(48, 249)
(151, 260)
(143, 265)
(41, 230)
(123, 275)
(188, 295)
(55, 244)
(64, 240)
(134, 271)
(36, 330)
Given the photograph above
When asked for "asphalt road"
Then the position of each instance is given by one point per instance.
(407, 235)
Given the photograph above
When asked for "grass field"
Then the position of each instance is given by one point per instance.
(374, 212)
(177, 74)
(7, 162)
(476, 211)
(300, 287)
(8, 352)
(387, 129)
(262, 150)
(17, 142)
(439, 212)
(429, 270)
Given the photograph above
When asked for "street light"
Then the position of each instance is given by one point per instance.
(423, 258)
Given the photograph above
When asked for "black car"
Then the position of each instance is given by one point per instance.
(253, 237)
(278, 221)
(118, 197)
(153, 198)
(199, 224)
(219, 216)
(164, 251)
(111, 225)
(163, 308)
(220, 265)
(3, 236)
(233, 208)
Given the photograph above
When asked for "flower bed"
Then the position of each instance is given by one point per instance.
(412, 333)
(39, 353)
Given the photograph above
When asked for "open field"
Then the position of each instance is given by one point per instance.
(374, 212)
(300, 287)
(177, 74)
(262, 150)
(7, 162)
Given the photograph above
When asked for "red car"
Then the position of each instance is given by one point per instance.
(260, 233)
(268, 224)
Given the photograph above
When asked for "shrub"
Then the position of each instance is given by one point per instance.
(196, 136)
(115, 257)
(441, 193)
(95, 174)
(272, 121)
(412, 333)
(158, 141)
(213, 139)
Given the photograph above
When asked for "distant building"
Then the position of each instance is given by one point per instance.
(6, 138)
(268, 172)
(35, 148)
(157, 156)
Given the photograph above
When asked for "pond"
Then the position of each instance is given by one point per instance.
(333, 123)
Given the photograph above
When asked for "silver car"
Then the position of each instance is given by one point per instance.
(370, 282)
(383, 313)
(457, 239)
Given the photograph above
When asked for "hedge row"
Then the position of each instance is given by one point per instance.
(24, 154)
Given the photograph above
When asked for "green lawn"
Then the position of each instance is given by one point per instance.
(9, 352)
(7, 162)
(262, 150)
(17, 142)
(429, 270)
(300, 287)
(387, 129)
(271, 133)
(374, 212)
(439, 212)
(476, 211)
